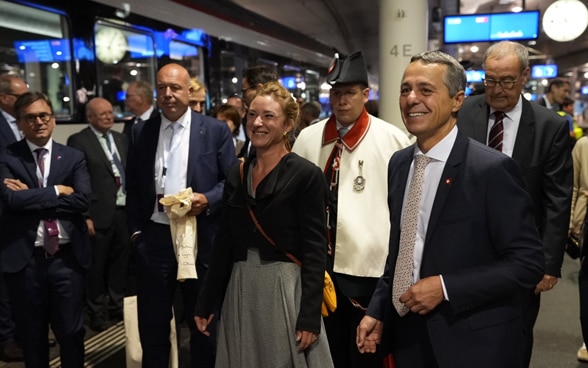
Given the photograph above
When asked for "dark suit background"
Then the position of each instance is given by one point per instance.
(211, 153)
(110, 245)
(24, 266)
(482, 238)
(129, 126)
(6, 321)
(543, 152)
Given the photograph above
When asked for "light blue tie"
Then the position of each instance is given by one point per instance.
(173, 182)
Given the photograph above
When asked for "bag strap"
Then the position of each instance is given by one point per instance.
(258, 226)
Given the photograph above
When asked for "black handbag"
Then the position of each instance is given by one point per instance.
(573, 247)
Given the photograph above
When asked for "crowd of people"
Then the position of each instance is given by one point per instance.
(439, 250)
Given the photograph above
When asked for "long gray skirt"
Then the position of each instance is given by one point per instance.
(258, 320)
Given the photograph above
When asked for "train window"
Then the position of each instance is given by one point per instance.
(123, 55)
(36, 45)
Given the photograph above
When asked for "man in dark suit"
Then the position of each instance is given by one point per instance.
(139, 102)
(538, 139)
(463, 252)
(180, 149)
(557, 91)
(44, 245)
(106, 156)
(11, 86)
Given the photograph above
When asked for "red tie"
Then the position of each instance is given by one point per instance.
(51, 244)
(497, 131)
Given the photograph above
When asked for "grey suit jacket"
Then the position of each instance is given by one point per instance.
(542, 150)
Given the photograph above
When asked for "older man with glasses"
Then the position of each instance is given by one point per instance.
(538, 139)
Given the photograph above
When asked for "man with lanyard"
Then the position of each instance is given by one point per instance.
(106, 154)
(353, 148)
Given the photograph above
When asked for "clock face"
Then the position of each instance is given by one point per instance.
(565, 20)
(111, 45)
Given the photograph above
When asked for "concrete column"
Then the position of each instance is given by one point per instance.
(403, 33)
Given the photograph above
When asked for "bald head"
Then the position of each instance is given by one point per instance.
(173, 91)
(99, 114)
(11, 86)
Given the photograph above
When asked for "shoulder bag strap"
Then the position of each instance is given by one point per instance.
(258, 226)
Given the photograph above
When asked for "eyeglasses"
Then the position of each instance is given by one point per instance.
(505, 84)
(32, 118)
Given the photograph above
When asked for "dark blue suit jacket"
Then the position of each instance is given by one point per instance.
(23, 210)
(482, 239)
(542, 150)
(6, 134)
(211, 154)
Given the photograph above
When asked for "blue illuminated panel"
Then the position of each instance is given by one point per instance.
(43, 51)
(491, 27)
(544, 71)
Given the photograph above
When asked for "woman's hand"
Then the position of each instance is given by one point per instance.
(305, 339)
(202, 324)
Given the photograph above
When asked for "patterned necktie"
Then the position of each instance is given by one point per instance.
(51, 244)
(342, 132)
(410, 215)
(120, 178)
(496, 135)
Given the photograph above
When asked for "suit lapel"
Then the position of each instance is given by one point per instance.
(523, 147)
(55, 168)
(197, 132)
(29, 162)
(448, 178)
(94, 145)
(481, 121)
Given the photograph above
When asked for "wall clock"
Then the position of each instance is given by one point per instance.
(565, 20)
(111, 45)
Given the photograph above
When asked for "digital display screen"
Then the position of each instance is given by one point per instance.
(544, 71)
(288, 82)
(42, 51)
(475, 76)
(491, 27)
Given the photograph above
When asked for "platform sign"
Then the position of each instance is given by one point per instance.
(544, 71)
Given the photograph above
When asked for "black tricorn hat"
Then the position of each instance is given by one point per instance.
(349, 70)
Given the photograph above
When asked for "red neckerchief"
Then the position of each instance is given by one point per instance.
(353, 137)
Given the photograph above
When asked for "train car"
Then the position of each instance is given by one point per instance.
(74, 51)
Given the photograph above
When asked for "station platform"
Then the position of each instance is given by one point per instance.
(557, 333)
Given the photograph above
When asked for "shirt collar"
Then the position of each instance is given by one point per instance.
(33, 146)
(184, 120)
(354, 136)
(440, 152)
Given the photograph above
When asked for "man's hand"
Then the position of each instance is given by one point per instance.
(369, 334)
(199, 204)
(424, 295)
(90, 225)
(64, 190)
(546, 284)
(15, 184)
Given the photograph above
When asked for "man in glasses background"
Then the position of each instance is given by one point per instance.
(538, 139)
(44, 248)
(11, 86)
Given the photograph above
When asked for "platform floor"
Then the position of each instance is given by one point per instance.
(557, 333)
